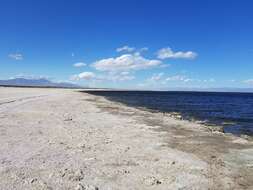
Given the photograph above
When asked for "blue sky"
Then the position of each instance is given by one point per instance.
(156, 44)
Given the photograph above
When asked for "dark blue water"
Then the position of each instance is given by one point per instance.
(234, 111)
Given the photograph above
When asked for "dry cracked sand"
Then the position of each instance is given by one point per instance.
(66, 139)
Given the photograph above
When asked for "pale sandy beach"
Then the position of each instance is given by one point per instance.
(65, 139)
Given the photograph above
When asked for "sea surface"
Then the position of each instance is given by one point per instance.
(233, 111)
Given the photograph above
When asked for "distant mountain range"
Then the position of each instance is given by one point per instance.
(40, 82)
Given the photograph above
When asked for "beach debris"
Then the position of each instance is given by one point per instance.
(86, 187)
(175, 115)
(62, 173)
(68, 119)
(81, 145)
(221, 163)
(216, 129)
(126, 171)
(246, 137)
(79, 187)
(151, 180)
(88, 159)
(156, 159)
(127, 149)
(72, 175)
(50, 175)
(107, 141)
(240, 141)
(178, 116)
(50, 142)
(78, 175)
(33, 180)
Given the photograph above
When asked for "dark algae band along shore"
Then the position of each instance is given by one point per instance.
(233, 111)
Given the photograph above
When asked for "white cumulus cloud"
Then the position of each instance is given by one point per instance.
(79, 64)
(84, 76)
(179, 78)
(209, 80)
(125, 62)
(16, 56)
(143, 49)
(123, 76)
(157, 77)
(166, 53)
(125, 49)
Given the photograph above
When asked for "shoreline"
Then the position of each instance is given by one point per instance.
(202, 108)
(65, 139)
(215, 137)
(213, 127)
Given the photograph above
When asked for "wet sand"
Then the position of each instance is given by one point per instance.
(66, 139)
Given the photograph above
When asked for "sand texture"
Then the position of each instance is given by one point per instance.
(59, 139)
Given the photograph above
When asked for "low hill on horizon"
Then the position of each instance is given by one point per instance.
(39, 82)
